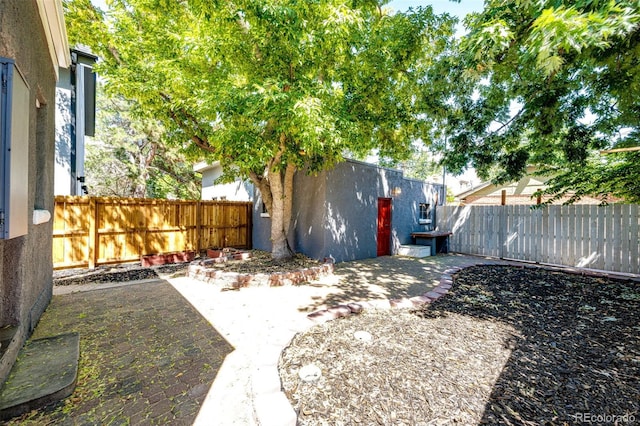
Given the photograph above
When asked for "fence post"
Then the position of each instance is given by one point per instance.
(502, 223)
(93, 233)
(250, 225)
(198, 225)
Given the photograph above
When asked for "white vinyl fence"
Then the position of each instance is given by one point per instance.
(587, 236)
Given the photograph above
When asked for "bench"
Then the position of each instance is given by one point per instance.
(438, 240)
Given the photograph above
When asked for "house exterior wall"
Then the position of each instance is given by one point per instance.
(353, 189)
(517, 193)
(495, 199)
(335, 213)
(233, 191)
(261, 231)
(62, 173)
(26, 261)
(309, 214)
(75, 99)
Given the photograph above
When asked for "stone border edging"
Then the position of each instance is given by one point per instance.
(271, 407)
(237, 280)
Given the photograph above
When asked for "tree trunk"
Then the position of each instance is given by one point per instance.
(277, 194)
(281, 185)
(144, 160)
(278, 236)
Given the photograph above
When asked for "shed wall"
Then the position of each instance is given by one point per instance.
(353, 189)
(310, 214)
(335, 213)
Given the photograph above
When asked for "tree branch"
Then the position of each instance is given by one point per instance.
(278, 157)
(508, 122)
(611, 151)
(199, 141)
(263, 187)
(115, 54)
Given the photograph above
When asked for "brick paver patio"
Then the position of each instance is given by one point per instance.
(146, 356)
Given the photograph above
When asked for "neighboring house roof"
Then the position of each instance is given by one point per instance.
(518, 192)
(52, 16)
(473, 190)
(203, 165)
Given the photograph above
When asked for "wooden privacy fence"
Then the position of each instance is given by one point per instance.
(586, 236)
(90, 231)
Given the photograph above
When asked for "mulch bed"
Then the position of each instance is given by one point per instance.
(507, 345)
(260, 262)
(116, 273)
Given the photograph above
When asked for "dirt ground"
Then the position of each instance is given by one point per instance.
(507, 345)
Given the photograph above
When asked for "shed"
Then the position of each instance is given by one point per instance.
(354, 211)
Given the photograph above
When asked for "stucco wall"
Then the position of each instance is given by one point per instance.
(335, 213)
(261, 232)
(352, 210)
(353, 189)
(26, 261)
(310, 214)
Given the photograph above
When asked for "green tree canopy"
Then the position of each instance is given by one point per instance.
(270, 87)
(129, 156)
(549, 84)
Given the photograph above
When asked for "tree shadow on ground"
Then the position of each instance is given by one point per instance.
(146, 355)
(383, 278)
(579, 350)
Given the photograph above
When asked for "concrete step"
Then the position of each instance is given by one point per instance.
(414, 250)
(6, 336)
(45, 372)
(10, 344)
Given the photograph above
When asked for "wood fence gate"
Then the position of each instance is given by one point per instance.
(91, 231)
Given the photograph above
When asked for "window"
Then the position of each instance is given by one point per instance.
(264, 212)
(424, 214)
(14, 143)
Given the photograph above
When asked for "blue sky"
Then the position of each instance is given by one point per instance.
(440, 6)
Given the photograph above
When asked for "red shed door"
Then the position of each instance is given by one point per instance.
(384, 226)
